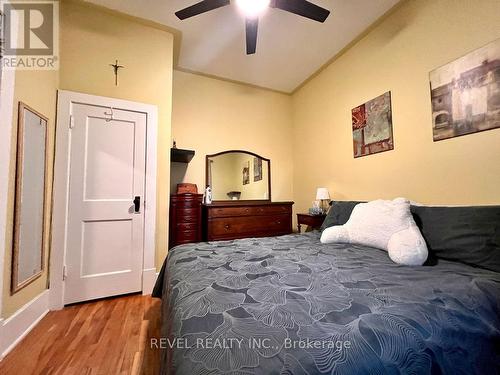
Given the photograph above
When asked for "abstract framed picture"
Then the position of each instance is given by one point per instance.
(257, 169)
(246, 173)
(466, 94)
(372, 126)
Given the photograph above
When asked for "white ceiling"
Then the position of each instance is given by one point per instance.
(290, 48)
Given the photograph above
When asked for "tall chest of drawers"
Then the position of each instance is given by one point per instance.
(185, 219)
(233, 220)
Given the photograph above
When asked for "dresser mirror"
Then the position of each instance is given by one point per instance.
(238, 176)
(29, 206)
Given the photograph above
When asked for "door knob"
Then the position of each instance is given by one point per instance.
(137, 204)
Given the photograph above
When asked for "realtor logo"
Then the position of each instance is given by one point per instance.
(30, 35)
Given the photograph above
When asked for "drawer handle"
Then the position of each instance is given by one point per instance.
(227, 226)
(278, 222)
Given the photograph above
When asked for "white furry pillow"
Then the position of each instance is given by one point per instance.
(386, 225)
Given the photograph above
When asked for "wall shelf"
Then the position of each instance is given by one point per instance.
(178, 155)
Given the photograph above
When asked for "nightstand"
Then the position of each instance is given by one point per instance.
(314, 221)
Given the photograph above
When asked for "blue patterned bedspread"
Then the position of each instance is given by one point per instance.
(290, 305)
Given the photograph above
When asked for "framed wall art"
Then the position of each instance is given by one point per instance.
(372, 126)
(466, 94)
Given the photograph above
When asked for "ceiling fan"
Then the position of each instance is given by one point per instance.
(253, 8)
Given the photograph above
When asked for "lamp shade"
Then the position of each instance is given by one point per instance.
(322, 193)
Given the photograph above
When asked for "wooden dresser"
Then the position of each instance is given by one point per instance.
(231, 220)
(185, 219)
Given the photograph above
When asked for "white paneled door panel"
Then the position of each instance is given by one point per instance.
(105, 227)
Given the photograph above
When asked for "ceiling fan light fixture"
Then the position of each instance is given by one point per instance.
(253, 8)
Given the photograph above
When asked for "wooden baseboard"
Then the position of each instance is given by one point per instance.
(17, 326)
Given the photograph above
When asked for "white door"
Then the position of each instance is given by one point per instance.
(104, 254)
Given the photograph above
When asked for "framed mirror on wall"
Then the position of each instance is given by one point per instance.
(238, 176)
(30, 192)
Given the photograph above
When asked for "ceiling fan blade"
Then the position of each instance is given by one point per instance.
(302, 8)
(252, 25)
(201, 7)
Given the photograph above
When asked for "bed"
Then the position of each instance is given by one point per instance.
(291, 305)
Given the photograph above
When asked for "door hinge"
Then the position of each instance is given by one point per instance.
(71, 122)
(65, 273)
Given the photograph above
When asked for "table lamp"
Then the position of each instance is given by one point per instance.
(323, 196)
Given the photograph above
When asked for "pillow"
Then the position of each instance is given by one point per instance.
(386, 225)
(339, 213)
(470, 235)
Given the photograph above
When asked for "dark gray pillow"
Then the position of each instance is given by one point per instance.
(340, 212)
(469, 235)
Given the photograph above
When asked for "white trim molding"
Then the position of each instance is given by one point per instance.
(16, 327)
(61, 186)
(7, 86)
(149, 277)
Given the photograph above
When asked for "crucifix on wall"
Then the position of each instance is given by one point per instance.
(116, 66)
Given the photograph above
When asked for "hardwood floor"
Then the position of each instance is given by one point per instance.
(108, 336)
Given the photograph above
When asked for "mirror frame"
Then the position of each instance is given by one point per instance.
(207, 160)
(15, 285)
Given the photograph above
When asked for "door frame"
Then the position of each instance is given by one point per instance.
(7, 107)
(65, 99)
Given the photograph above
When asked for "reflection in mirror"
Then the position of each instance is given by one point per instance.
(31, 164)
(238, 175)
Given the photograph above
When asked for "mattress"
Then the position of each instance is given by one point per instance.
(291, 305)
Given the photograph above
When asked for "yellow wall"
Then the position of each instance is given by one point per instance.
(92, 39)
(397, 55)
(211, 115)
(37, 90)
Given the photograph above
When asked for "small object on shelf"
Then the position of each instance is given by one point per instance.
(234, 195)
(186, 188)
(178, 155)
(313, 221)
(207, 198)
(316, 209)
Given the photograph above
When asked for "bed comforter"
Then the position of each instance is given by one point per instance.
(291, 305)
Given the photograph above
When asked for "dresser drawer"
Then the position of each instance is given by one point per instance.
(191, 203)
(187, 226)
(188, 219)
(248, 211)
(188, 212)
(187, 236)
(248, 226)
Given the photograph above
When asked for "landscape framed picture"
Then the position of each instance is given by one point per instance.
(372, 126)
(466, 94)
